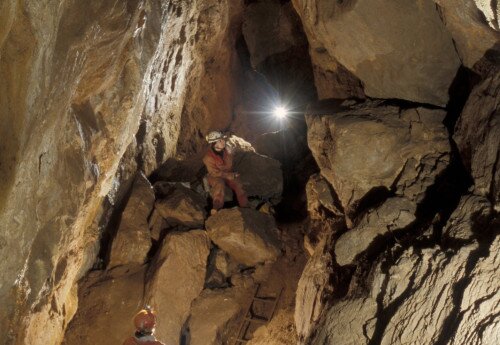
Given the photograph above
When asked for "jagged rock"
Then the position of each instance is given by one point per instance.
(107, 302)
(220, 268)
(248, 236)
(182, 206)
(177, 278)
(405, 51)
(133, 238)
(372, 146)
(314, 285)
(395, 213)
(472, 215)
(261, 176)
(477, 134)
(427, 297)
(211, 313)
(471, 35)
(156, 225)
(320, 195)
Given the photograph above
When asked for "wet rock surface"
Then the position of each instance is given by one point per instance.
(248, 236)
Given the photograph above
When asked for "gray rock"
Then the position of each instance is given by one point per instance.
(261, 176)
(427, 297)
(395, 213)
(177, 276)
(477, 134)
(211, 314)
(182, 206)
(248, 236)
(133, 238)
(471, 216)
(404, 51)
(372, 146)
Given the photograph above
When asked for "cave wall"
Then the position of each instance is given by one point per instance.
(91, 89)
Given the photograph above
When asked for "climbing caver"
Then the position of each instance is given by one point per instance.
(219, 163)
(145, 322)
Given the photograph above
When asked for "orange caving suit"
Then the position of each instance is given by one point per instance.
(220, 174)
(135, 341)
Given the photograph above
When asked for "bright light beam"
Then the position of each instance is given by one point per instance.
(280, 112)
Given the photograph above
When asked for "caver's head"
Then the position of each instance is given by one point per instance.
(217, 139)
(145, 320)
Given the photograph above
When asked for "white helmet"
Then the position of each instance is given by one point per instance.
(213, 136)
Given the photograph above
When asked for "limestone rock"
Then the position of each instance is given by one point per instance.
(404, 51)
(182, 206)
(477, 135)
(220, 268)
(471, 35)
(211, 314)
(177, 278)
(108, 302)
(471, 216)
(261, 176)
(320, 195)
(395, 213)
(313, 288)
(133, 238)
(370, 146)
(427, 297)
(156, 225)
(248, 236)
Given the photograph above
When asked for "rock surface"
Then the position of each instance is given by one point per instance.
(471, 217)
(394, 214)
(427, 297)
(404, 51)
(133, 238)
(211, 315)
(477, 135)
(320, 197)
(108, 302)
(248, 236)
(261, 176)
(372, 146)
(182, 206)
(471, 35)
(177, 278)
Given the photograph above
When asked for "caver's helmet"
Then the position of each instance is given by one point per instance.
(145, 320)
(213, 136)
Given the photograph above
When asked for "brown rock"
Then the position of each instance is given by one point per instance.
(182, 206)
(133, 238)
(177, 278)
(107, 302)
(211, 314)
(477, 135)
(404, 51)
(370, 146)
(156, 225)
(393, 214)
(320, 198)
(248, 236)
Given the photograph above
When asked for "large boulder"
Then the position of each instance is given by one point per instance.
(261, 176)
(427, 296)
(211, 315)
(177, 276)
(477, 134)
(394, 214)
(313, 287)
(107, 303)
(367, 147)
(473, 37)
(248, 236)
(398, 50)
(471, 217)
(133, 238)
(182, 206)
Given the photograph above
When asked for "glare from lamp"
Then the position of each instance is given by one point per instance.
(280, 112)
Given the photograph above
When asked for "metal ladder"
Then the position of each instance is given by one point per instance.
(251, 318)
